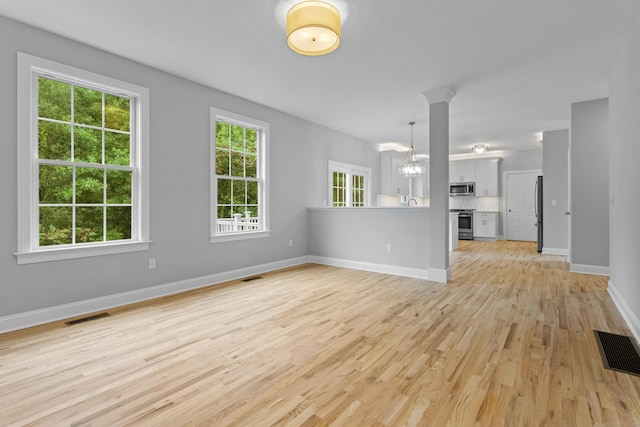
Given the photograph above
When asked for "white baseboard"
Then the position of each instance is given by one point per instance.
(555, 251)
(51, 314)
(368, 266)
(439, 275)
(589, 269)
(624, 309)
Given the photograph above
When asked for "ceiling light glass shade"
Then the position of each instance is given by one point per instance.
(479, 148)
(313, 28)
(411, 166)
(413, 169)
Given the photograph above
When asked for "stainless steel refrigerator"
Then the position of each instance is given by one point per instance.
(537, 194)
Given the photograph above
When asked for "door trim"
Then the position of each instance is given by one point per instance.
(503, 202)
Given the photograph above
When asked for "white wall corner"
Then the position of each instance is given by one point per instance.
(632, 320)
(51, 314)
(597, 270)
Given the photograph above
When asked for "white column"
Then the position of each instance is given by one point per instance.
(439, 269)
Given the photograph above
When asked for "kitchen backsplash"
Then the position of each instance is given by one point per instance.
(491, 204)
(396, 200)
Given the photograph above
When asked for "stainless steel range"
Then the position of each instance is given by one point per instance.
(465, 223)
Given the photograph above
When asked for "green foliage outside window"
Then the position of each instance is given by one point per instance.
(347, 184)
(339, 189)
(237, 170)
(357, 190)
(88, 131)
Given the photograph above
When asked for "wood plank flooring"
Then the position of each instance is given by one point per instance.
(508, 342)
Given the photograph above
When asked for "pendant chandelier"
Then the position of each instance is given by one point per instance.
(411, 166)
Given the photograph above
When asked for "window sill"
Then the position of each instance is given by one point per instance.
(232, 237)
(57, 254)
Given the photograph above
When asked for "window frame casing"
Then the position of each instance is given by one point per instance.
(28, 249)
(263, 128)
(350, 170)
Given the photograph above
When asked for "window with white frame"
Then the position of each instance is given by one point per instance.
(82, 175)
(349, 185)
(239, 182)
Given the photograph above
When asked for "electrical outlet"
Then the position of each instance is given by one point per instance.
(290, 243)
(388, 247)
(553, 203)
(152, 263)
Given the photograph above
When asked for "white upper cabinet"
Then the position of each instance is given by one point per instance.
(421, 183)
(484, 172)
(487, 177)
(462, 171)
(391, 181)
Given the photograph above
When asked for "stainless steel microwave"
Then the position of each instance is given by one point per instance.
(462, 189)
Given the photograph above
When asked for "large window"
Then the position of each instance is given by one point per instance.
(349, 185)
(239, 184)
(81, 175)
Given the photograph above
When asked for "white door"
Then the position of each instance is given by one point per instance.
(521, 217)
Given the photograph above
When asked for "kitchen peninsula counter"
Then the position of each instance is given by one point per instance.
(393, 239)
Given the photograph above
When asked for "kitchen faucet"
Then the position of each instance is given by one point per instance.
(409, 202)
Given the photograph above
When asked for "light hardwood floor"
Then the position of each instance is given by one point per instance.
(508, 342)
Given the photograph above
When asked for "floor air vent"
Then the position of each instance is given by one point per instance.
(249, 279)
(618, 352)
(86, 319)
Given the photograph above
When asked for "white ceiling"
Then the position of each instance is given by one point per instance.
(516, 65)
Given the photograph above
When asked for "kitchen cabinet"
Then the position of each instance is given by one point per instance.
(487, 177)
(462, 171)
(393, 183)
(485, 225)
(421, 183)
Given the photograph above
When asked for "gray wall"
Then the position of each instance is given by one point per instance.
(333, 145)
(517, 160)
(556, 188)
(624, 152)
(589, 182)
(179, 178)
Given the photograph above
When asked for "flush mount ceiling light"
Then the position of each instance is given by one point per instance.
(479, 148)
(410, 164)
(313, 28)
